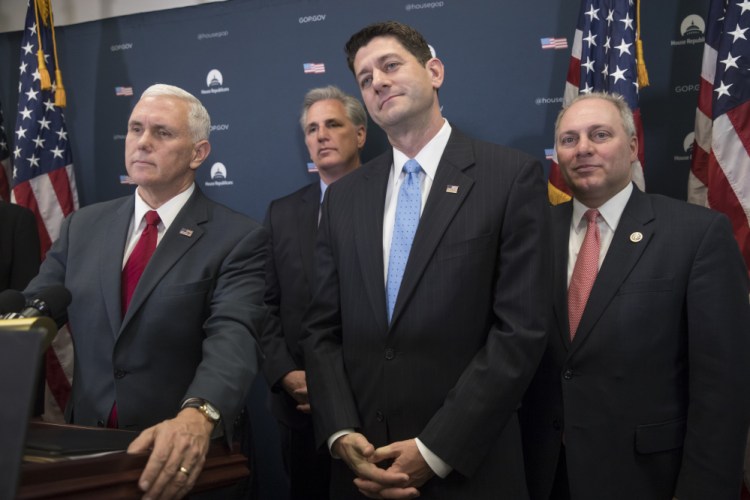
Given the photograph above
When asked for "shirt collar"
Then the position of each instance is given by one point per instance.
(610, 212)
(429, 157)
(167, 212)
(323, 187)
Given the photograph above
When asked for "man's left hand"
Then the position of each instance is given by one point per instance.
(406, 459)
(178, 452)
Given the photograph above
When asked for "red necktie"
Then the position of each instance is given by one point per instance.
(584, 272)
(132, 272)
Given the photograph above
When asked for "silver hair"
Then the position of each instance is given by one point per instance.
(626, 115)
(354, 109)
(199, 122)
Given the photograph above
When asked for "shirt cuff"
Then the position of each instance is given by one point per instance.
(440, 468)
(333, 439)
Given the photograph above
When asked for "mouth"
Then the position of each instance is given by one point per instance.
(386, 100)
(325, 151)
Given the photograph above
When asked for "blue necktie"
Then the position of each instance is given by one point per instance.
(407, 219)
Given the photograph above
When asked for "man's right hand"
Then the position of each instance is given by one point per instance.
(355, 450)
(295, 384)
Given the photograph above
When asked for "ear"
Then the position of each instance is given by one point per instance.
(201, 150)
(437, 72)
(633, 149)
(361, 136)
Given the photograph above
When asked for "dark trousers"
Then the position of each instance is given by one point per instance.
(309, 470)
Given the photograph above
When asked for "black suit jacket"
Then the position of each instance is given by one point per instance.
(292, 223)
(468, 326)
(19, 246)
(652, 394)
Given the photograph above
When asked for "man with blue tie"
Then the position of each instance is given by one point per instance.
(429, 318)
(335, 127)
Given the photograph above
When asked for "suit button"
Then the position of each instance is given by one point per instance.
(568, 374)
(556, 424)
(390, 354)
(379, 416)
(120, 374)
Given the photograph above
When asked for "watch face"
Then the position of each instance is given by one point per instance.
(210, 411)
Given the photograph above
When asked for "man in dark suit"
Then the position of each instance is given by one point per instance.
(175, 358)
(19, 246)
(415, 380)
(642, 392)
(335, 126)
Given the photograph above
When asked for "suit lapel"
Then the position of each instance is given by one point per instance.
(560, 235)
(184, 232)
(368, 232)
(110, 262)
(308, 209)
(621, 257)
(439, 210)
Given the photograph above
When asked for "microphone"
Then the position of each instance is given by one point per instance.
(11, 300)
(49, 302)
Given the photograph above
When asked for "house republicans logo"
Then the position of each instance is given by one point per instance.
(218, 176)
(215, 83)
(692, 30)
(687, 146)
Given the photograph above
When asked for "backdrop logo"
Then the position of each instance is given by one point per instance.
(554, 43)
(312, 19)
(219, 127)
(692, 87)
(215, 34)
(314, 68)
(692, 29)
(215, 83)
(219, 176)
(423, 5)
(687, 146)
(121, 46)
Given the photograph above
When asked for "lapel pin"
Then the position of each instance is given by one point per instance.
(189, 232)
(450, 188)
(636, 237)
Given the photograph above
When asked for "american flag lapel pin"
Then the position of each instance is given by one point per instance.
(186, 232)
(450, 188)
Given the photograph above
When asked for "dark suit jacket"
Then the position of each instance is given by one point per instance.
(652, 394)
(468, 325)
(19, 246)
(189, 329)
(292, 223)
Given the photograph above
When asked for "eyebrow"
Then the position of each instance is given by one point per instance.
(380, 60)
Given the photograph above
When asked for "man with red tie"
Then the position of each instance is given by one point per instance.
(167, 290)
(642, 392)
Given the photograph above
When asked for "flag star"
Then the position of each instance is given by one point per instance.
(53, 87)
(62, 134)
(32, 29)
(49, 105)
(36, 75)
(605, 71)
(592, 13)
(3, 145)
(15, 172)
(39, 142)
(23, 67)
(28, 48)
(624, 47)
(44, 123)
(606, 45)
(21, 132)
(17, 152)
(745, 5)
(619, 74)
(730, 62)
(31, 94)
(586, 89)
(33, 161)
(627, 21)
(19, 87)
(610, 16)
(591, 39)
(589, 65)
(57, 152)
(723, 89)
(738, 33)
(46, 58)
(26, 113)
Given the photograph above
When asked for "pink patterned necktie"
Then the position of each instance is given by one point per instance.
(584, 272)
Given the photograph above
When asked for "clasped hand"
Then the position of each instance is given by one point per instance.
(407, 472)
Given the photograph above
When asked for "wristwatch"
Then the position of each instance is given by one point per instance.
(203, 406)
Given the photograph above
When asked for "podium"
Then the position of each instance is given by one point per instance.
(116, 475)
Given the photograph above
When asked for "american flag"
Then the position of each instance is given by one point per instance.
(603, 60)
(43, 178)
(554, 43)
(123, 91)
(4, 161)
(720, 173)
(314, 68)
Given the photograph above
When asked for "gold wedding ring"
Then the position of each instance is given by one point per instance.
(185, 471)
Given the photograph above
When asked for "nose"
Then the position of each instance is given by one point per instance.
(144, 140)
(379, 79)
(322, 134)
(584, 146)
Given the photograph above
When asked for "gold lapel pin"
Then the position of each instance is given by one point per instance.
(186, 232)
(450, 188)
(636, 237)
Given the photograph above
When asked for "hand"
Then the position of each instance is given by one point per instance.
(295, 384)
(406, 459)
(176, 444)
(356, 451)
